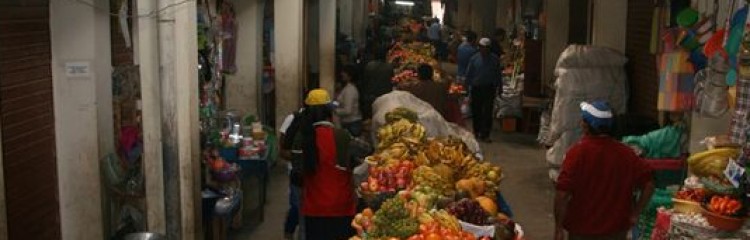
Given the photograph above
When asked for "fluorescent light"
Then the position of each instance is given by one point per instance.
(405, 3)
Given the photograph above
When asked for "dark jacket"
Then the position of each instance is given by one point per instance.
(434, 93)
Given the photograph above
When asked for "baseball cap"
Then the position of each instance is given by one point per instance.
(597, 114)
(318, 96)
(485, 42)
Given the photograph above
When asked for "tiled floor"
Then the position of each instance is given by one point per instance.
(526, 188)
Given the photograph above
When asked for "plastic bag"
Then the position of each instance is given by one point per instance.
(478, 231)
(435, 125)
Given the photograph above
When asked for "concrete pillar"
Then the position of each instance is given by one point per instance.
(359, 17)
(80, 36)
(556, 35)
(312, 47)
(463, 18)
(489, 14)
(327, 43)
(288, 15)
(243, 86)
(475, 20)
(503, 17)
(153, 168)
(346, 14)
(179, 104)
(610, 24)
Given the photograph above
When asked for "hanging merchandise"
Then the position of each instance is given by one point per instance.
(711, 90)
(229, 37)
(675, 81)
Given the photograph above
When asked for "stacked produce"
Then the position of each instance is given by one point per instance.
(421, 188)
(408, 57)
(710, 200)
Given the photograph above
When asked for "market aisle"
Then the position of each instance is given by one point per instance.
(526, 187)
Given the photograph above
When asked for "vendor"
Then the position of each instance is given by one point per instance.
(348, 98)
(430, 91)
(595, 187)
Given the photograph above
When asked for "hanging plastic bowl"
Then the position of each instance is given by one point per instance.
(714, 44)
(688, 17)
(731, 77)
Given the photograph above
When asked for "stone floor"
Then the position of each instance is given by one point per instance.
(526, 188)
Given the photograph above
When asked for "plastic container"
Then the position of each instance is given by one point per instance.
(723, 222)
(685, 206)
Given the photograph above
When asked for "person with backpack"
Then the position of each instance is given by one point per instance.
(322, 165)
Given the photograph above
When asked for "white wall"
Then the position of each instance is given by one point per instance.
(610, 24)
(80, 33)
(242, 87)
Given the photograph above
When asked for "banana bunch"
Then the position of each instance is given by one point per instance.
(712, 162)
(425, 218)
(449, 151)
(426, 176)
(483, 170)
(446, 220)
(401, 131)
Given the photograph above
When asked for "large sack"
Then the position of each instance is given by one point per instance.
(584, 73)
(435, 125)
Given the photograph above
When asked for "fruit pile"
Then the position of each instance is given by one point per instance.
(390, 178)
(695, 195)
(420, 188)
(724, 205)
(712, 163)
(394, 220)
(469, 211)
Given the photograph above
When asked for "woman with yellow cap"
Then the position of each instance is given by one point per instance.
(320, 154)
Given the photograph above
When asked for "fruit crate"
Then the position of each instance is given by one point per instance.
(668, 171)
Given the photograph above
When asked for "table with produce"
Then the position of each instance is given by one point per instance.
(711, 204)
(429, 188)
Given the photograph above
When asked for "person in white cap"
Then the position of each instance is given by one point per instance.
(483, 76)
(594, 198)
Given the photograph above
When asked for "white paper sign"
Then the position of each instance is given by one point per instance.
(77, 69)
(734, 173)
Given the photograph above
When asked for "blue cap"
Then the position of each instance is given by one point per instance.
(597, 114)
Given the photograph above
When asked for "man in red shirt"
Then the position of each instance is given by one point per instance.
(594, 198)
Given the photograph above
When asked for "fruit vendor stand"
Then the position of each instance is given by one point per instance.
(420, 187)
(710, 204)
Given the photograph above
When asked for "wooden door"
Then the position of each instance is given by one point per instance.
(26, 109)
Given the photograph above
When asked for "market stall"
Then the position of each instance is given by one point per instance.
(702, 53)
(238, 150)
(420, 187)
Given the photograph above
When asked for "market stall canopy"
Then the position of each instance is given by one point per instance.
(434, 123)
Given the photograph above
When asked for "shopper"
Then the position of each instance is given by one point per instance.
(348, 98)
(376, 81)
(430, 91)
(328, 202)
(434, 34)
(483, 75)
(497, 42)
(289, 130)
(598, 178)
(465, 51)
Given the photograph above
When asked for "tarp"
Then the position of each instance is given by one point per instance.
(435, 125)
